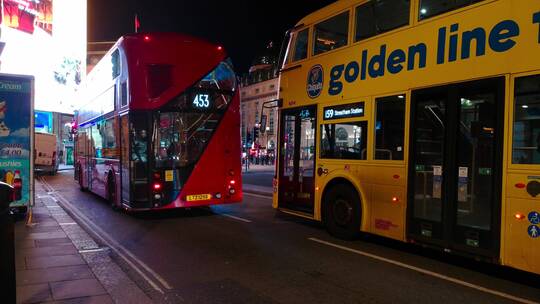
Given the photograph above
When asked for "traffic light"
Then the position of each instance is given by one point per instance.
(255, 133)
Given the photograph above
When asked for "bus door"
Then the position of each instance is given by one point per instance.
(455, 166)
(125, 158)
(297, 159)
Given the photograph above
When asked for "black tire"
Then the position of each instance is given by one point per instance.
(342, 212)
(79, 177)
(111, 193)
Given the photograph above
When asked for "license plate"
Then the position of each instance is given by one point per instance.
(198, 197)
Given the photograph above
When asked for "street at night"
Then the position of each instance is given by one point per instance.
(308, 151)
(249, 253)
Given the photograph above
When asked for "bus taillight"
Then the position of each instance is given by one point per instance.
(157, 186)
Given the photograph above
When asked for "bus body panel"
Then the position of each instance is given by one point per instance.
(515, 60)
(175, 54)
(155, 70)
(377, 181)
(222, 171)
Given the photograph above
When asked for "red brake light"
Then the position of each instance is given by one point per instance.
(146, 38)
(519, 216)
(232, 182)
(520, 185)
(219, 48)
(157, 186)
(395, 199)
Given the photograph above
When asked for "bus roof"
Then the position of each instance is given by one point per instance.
(327, 11)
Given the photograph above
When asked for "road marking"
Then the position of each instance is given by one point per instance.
(235, 217)
(427, 272)
(257, 195)
(113, 245)
(67, 224)
(93, 250)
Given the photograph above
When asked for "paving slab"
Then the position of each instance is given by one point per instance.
(76, 289)
(60, 249)
(52, 242)
(54, 261)
(46, 235)
(33, 293)
(56, 274)
(103, 299)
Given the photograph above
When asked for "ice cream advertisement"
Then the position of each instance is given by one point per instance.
(15, 135)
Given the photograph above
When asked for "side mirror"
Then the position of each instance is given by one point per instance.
(6, 196)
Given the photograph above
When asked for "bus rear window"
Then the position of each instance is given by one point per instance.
(526, 138)
(331, 34)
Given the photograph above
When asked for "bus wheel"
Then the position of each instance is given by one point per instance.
(342, 212)
(79, 177)
(111, 193)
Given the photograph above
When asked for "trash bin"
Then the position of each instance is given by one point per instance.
(7, 246)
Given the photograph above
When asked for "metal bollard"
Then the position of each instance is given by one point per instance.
(7, 246)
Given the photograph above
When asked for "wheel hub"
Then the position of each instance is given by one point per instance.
(342, 211)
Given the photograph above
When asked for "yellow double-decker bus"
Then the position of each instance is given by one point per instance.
(416, 120)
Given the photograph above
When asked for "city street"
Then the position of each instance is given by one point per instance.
(250, 253)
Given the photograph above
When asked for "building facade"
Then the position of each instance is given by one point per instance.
(259, 125)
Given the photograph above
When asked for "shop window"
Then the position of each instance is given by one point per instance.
(430, 8)
(379, 16)
(526, 137)
(344, 140)
(389, 127)
(331, 34)
(301, 45)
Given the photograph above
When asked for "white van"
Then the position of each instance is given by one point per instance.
(45, 154)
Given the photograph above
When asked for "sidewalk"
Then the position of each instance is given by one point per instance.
(258, 168)
(56, 260)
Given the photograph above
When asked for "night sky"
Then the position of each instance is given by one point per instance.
(243, 27)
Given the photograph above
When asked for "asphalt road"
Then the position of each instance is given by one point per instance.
(259, 178)
(249, 253)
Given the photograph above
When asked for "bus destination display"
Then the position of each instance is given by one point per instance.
(344, 111)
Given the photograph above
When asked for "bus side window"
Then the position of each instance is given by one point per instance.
(526, 137)
(123, 92)
(331, 34)
(346, 140)
(376, 17)
(301, 45)
(389, 127)
(430, 8)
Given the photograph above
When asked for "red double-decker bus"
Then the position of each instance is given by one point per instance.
(161, 128)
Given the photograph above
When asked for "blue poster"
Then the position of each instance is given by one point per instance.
(16, 113)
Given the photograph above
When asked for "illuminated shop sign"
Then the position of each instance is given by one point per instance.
(344, 111)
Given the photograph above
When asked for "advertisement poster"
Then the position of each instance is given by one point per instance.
(46, 39)
(16, 136)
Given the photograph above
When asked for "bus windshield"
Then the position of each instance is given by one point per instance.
(182, 129)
